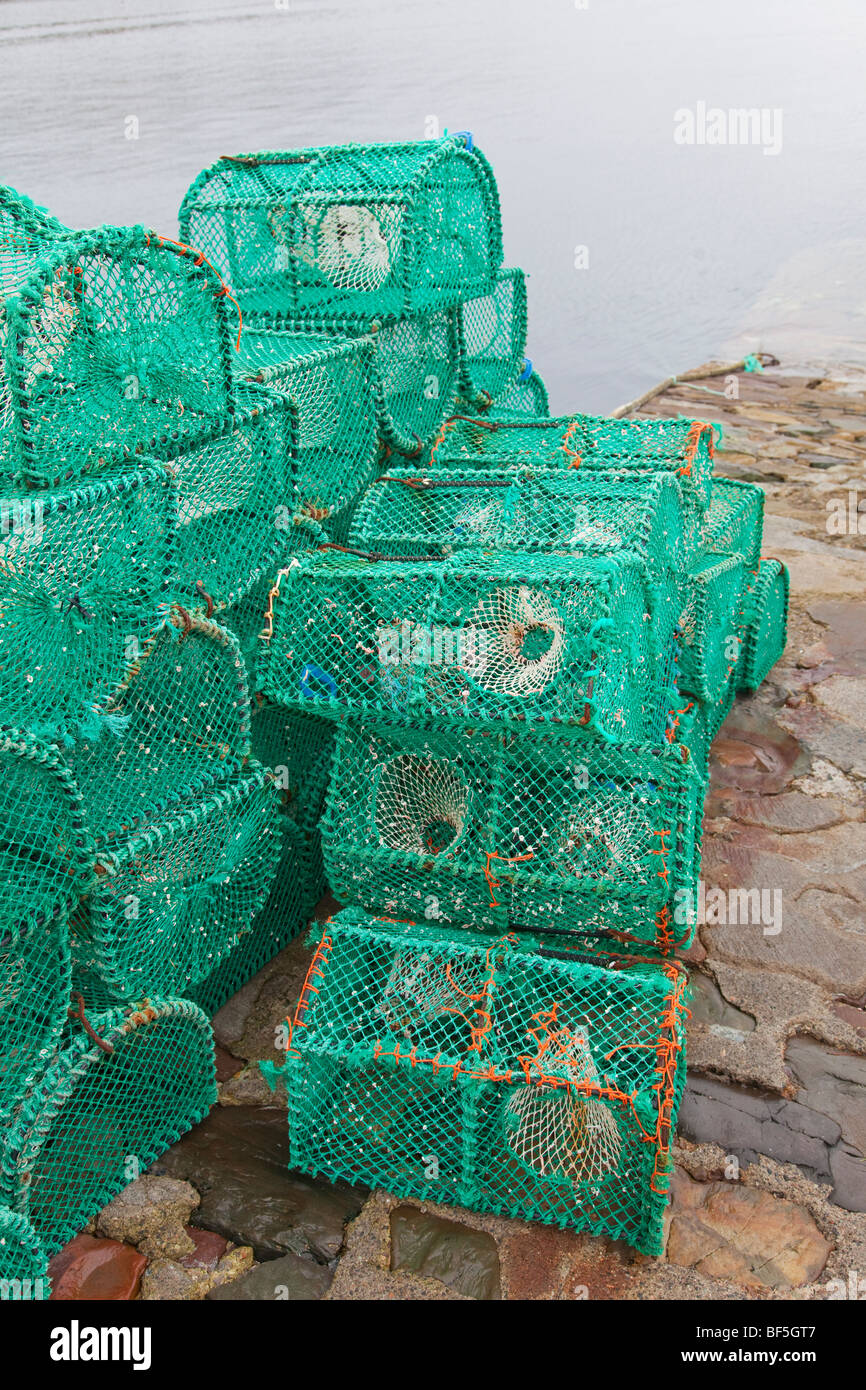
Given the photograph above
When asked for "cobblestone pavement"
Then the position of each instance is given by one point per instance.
(770, 1185)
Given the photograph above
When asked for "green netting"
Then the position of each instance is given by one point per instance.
(734, 520)
(509, 637)
(86, 581)
(765, 623)
(350, 231)
(487, 829)
(682, 447)
(181, 718)
(526, 509)
(492, 338)
(237, 497)
(23, 1266)
(524, 398)
(34, 998)
(710, 626)
(46, 853)
(100, 1117)
(333, 382)
(495, 1076)
(109, 340)
(171, 902)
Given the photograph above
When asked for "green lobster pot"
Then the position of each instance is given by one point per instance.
(734, 520)
(35, 981)
(548, 509)
(710, 626)
(180, 720)
(87, 575)
(765, 623)
(352, 232)
(173, 900)
(237, 498)
(492, 1074)
(524, 399)
(333, 382)
(110, 340)
(23, 1266)
(511, 638)
(109, 1105)
(492, 339)
(530, 832)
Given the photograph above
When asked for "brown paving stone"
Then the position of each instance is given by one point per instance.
(96, 1270)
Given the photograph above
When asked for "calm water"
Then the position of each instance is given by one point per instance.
(692, 249)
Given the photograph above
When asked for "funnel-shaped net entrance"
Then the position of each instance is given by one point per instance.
(523, 642)
(420, 805)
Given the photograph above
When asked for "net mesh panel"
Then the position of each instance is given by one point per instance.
(99, 1119)
(86, 577)
(492, 338)
(525, 509)
(765, 613)
(734, 520)
(173, 900)
(237, 498)
(23, 1266)
(46, 854)
(489, 829)
(181, 718)
(506, 638)
(109, 340)
(332, 381)
(682, 447)
(34, 998)
(523, 399)
(491, 1076)
(710, 625)
(351, 231)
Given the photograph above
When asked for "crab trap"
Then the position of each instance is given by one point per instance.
(682, 447)
(514, 638)
(23, 1266)
(498, 1075)
(734, 521)
(35, 981)
(180, 720)
(550, 509)
(710, 626)
(765, 623)
(46, 851)
(237, 498)
(109, 340)
(127, 1084)
(532, 832)
(333, 383)
(526, 398)
(352, 232)
(172, 901)
(492, 339)
(87, 578)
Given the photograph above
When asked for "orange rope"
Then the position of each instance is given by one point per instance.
(200, 259)
(494, 882)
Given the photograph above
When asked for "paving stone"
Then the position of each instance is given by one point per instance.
(708, 1005)
(833, 1084)
(465, 1259)
(151, 1213)
(291, 1278)
(747, 1123)
(97, 1270)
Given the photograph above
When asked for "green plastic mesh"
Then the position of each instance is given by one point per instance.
(350, 231)
(46, 853)
(109, 340)
(99, 1118)
(492, 338)
(86, 580)
(710, 626)
(23, 1266)
(181, 718)
(525, 509)
(765, 623)
(734, 520)
(525, 398)
(332, 380)
(487, 829)
(237, 499)
(684, 448)
(34, 998)
(509, 637)
(495, 1075)
(171, 902)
